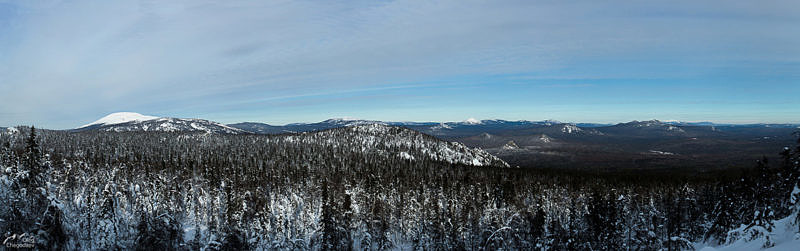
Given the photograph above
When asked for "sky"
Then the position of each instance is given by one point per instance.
(67, 63)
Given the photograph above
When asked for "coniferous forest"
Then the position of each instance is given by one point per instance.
(342, 189)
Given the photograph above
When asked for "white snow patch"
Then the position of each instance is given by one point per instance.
(442, 126)
(477, 162)
(510, 145)
(674, 128)
(550, 122)
(570, 128)
(472, 121)
(406, 155)
(661, 152)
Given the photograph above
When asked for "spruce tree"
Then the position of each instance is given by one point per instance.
(538, 227)
(32, 163)
(723, 215)
(327, 220)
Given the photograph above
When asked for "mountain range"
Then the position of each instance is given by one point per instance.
(129, 121)
(651, 144)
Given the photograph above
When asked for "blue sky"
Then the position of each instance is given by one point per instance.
(66, 63)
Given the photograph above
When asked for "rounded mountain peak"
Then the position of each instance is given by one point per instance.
(119, 118)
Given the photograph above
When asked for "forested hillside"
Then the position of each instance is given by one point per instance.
(369, 186)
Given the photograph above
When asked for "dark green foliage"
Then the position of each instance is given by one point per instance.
(330, 238)
(762, 191)
(158, 233)
(601, 219)
(234, 241)
(51, 234)
(537, 226)
(30, 176)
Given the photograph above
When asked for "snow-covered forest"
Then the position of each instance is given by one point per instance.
(365, 187)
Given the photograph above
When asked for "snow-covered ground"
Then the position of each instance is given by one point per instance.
(784, 235)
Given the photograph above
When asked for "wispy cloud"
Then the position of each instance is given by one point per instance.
(86, 58)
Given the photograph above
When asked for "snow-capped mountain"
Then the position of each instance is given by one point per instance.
(128, 122)
(119, 118)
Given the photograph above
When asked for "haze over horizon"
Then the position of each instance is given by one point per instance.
(66, 63)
